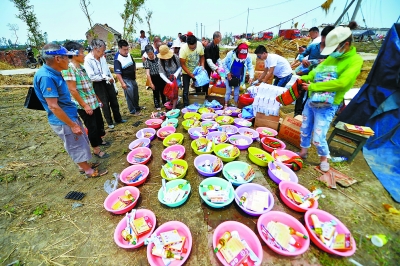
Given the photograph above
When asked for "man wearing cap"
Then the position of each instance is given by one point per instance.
(333, 77)
(275, 65)
(211, 53)
(52, 91)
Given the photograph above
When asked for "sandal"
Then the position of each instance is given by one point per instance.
(105, 155)
(105, 143)
(92, 165)
(302, 157)
(97, 173)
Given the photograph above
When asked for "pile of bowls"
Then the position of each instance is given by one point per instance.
(127, 171)
(143, 150)
(177, 136)
(240, 140)
(237, 168)
(154, 123)
(200, 160)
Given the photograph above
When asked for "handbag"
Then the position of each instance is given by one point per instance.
(32, 101)
(171, 90)
(292, 94)
(234, 82)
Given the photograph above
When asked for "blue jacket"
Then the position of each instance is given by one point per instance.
(248, 66)
(313, 52)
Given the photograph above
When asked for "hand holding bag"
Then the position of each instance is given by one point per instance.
(171, 90)
(32, 101)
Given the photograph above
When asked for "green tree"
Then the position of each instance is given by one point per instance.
(14, 28)
(149, 13)
(130, 14)
(85, 9)
(110, 40)
(27, 15)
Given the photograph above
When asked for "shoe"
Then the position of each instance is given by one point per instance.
(158, 109)
(97, 173)
(137, 114)
(111, 126)
(324, 166)
(122, 121)
(302, 157)
(105, 155)
(105, 143)
(92, 165)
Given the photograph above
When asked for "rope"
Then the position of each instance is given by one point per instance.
(362, 14)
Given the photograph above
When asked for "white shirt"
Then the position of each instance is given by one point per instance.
(97, 70)
(143, 42)
(282, 66)
(316, 40)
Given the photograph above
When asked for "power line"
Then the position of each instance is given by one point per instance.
(270, 5)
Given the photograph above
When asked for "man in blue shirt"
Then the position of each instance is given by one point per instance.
(53, 93)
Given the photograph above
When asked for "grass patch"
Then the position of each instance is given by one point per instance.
(40, 210)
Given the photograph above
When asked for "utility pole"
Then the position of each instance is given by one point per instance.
(356, 10)
(197, 31)
(201, 30)
(205, 31)
(247, 24)
(344, 12)
(219, 26)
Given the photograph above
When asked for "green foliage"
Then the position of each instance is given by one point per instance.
(130, 14)
(110, 40)
(135, 53)
(56, 173)
(27, 15)
(149, 13)
(9, 208)
(40, 210)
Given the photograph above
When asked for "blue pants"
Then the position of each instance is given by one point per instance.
(132, 95)
(229, 91)
(316, 122)
(281, 82)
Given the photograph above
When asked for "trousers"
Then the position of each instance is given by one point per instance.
(108, 97)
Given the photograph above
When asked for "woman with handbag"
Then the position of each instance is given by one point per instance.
(156, 83)
(170, 70)
(236, 64)
(326, 86)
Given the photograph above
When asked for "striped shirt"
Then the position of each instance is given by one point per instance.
(84, 85)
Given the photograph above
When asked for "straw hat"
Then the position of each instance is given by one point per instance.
(335, 37)
(164, 52)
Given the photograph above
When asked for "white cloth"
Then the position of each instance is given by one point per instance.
(143, 42)
(126, 61)
(282, 66)
(97, 70)
(316, 40)
(264, 98)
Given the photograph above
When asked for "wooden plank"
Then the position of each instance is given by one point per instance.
(16, 86)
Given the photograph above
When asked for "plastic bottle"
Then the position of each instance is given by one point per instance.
(338, 159)
(212, 187)
(181, 186)
(243, 198)
(222, 241)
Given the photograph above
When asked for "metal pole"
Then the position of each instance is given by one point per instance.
(344, 11)
(248, 10)
(205, 31)
(219, 26)
(356, 10)
(201, 30)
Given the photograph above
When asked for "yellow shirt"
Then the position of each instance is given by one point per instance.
(192, 57)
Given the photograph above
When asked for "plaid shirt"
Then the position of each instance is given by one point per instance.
(84, 85)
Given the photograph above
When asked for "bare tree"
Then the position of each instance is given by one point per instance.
(130, 14)
(84, 7)
(14, 28)
(149, 13)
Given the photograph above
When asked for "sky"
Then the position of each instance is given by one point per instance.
(65, 20)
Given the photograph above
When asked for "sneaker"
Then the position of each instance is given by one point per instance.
(111, 126)
(324, 166)
(158, 109)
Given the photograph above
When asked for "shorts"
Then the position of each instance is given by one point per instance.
(77, 146)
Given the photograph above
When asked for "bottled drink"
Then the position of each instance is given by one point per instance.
(338, 159)
(222, 241)
(212, 187)
(181, 186)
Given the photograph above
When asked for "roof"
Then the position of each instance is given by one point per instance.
(106, 27)
(363, 32)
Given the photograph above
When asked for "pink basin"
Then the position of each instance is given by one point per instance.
(290, 154)
(113, 198)
(284, 185)
(270, 149)
(177, 148)
(272, 132)
(130, 157)
(169, 129)
(127, 171)
(154, 123)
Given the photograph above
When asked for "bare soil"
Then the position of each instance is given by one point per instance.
(40, 227)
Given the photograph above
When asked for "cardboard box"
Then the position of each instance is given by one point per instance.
(257, 74)
(219, 91)
(290, 131)
(263, 120)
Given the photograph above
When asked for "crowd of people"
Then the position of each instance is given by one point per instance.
(71, 84)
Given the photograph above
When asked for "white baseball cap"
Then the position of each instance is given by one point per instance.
(336, 36)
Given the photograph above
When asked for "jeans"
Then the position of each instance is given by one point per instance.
(95, 126)
(159, 85)
(281, 82)
(186, 82)
(229, 91)
(107, 95)
(132, 95)
(316, 121)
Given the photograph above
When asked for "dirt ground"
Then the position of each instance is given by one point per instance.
(38, 226)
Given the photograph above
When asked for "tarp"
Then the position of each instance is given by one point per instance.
(377, 105)
(357, 33)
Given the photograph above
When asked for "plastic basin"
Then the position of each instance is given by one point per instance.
(127, 171)
(241, 122)
(219, 112)
(172, 184)
(248, 132)
(200, 160)
(276, 216)
(194, 148)
(183, 230)
(245, 233)
(235, 138)
(154, 123)
(252, 156)
(131, 155)
(186, 122)
(177, 136)
(170, 122)
(217, 181)
(324, 216)
(270, 149)
(218, 147)
(119, 240)
(248, 119)
(168, 129)
(178, 162)
(113, 198)
(208, 116)
(266, 132)
(210, 125)
(290, 154)
(204, 110)
(292, 175)
(284, 185)
(192, 115)
(249, 188)
(224, 120)
(246, 99)
(174, 113)
(214, 135)
(236, 167)
(142, 133)
(159, 115)
(168, 105)
(235, 111)
(145, 143)
(194, 129)
(176, 148)
(228, 129)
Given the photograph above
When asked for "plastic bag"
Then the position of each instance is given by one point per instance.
(171, 90)
(111, 185)
(201, 77)
(247, 112)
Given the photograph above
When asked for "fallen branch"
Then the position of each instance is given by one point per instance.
(362, 206)
(6, 258)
